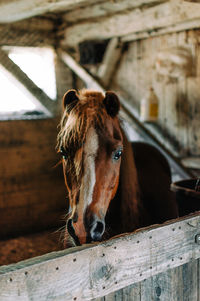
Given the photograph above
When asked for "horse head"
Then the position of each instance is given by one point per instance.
(91, 144)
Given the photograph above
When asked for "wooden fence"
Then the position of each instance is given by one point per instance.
(94, 271)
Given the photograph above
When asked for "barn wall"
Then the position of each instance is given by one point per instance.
(32, 192)
(179, 105)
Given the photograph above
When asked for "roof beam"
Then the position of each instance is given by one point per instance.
(33, 32)
(134, 21)
(107, 8)
(16, 10)
(21, 77)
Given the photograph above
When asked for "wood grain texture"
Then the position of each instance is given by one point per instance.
(133, 21)
(175, 284)
(12, 11)
(110, 59)
(32, 191)
(64, 81)
(34, 32)
(98, 10)
(94, 271)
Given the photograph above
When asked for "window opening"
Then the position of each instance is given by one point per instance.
(17, 102)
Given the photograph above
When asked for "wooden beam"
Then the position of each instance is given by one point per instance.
(135, 21)
(96, 270)
(110, 59)
(37, 24)
(23, 79)
(107, 8)
(193, 24)
(81, 72)
(33, 32)
(16, 10)
(25, 38)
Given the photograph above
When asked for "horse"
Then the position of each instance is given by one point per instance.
(113, 186)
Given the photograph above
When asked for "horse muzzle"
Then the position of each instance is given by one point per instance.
(81, 233)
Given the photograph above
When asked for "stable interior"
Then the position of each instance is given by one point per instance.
(129, 58)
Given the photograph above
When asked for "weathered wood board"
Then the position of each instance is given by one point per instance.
(134, 21)
(32, 191)
(93, 271)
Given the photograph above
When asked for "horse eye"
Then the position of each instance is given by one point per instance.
(117, 155)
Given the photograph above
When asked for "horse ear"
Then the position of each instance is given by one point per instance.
(111, 103)
(70, 98)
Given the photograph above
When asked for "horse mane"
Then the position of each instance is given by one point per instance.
(75, 122)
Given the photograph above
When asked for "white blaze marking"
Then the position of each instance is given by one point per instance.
(89, 178)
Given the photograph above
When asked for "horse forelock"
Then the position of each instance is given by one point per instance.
(75, 124)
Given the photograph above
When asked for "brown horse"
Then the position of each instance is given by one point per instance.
(113, 186)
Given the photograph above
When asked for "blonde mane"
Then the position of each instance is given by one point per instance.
(75, 122)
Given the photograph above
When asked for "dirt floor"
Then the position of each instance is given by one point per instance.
(24, 247)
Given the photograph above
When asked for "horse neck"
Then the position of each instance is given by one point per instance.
(130, 204)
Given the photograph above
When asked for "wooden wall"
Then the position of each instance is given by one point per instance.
(176, 284)
(179, 105)
(32, 192)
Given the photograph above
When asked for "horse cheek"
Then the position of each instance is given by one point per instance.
(115, 188)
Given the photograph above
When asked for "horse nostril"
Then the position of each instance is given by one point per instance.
(70, 228)
(97, 231)
(99, 227)
(71, 232)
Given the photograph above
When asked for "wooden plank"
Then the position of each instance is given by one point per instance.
(193, 116)
(170, 97)
(32, 190)
(134, 21)
(115, 296)
(24, 144)
(15, 10)
(22, 78)
(191, 162)
(193, 95)
(182, 104)
(38, 24)
(93, 271)
(106, 8)
(35, 217)
(25, 38)
(80, 71)
(180, 283)
(192, 24)
(157, 44)
(132, 292)
(64, 80)
(34, 32)
(110, 60)
(125, 80)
